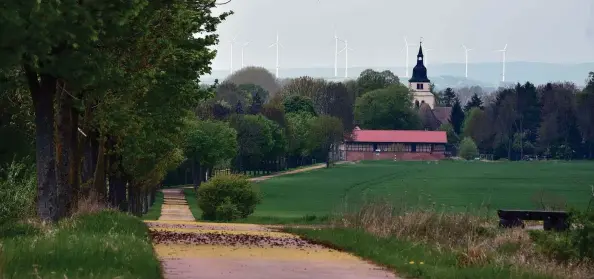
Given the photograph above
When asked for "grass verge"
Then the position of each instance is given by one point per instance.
(408, 258)
(192, 201)
(107, 244)
(154, 211)
(274, 220)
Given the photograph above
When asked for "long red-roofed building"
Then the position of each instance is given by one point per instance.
(394, 145)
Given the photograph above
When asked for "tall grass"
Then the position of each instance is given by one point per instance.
(473, 238)
(105, 244)
(17, 192)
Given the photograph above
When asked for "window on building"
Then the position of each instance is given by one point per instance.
(424, 148)
(399, 147)
(419, 86)
(439, 147)
(356, 146)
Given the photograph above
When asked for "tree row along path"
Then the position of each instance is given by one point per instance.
(189, 249)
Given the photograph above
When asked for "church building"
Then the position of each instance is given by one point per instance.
(423, 98)
(420, 84)
(427, 144)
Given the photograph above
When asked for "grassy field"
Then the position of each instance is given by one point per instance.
(101, 245)
(454, 185)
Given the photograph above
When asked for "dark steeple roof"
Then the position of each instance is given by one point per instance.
(419, 71)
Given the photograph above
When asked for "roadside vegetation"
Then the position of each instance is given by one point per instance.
(104, 244)
(432, 243)
(154, 212)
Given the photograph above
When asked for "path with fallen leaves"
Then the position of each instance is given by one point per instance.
(189, 249)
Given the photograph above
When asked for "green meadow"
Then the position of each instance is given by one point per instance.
(449, 185)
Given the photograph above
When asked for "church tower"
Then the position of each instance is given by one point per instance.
(419, 84)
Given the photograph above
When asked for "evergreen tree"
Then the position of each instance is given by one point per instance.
(448, 97)
(457, 116)
(238, 108)
(475, 102)
(256, 106)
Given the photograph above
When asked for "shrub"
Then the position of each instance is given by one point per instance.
(575, 244)
(17, 192)
(227, 211)
(468, 149)
(227, 197)
(582, 236)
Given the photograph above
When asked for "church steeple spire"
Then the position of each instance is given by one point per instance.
(419, 84)
(419, 71)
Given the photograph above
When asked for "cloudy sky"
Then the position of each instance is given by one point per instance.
(535, 30)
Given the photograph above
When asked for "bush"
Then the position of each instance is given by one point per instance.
(575, 244)
(227, 211)
(227, 197)
(468, 149)
(582, 237)
(17, 192)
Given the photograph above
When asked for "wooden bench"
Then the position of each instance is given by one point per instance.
(557, 220)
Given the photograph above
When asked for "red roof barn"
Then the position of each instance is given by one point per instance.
(394, 145)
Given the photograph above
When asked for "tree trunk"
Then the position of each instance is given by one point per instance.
(75, 166)
(134, 199)
(66, 149)
(144, 202)
(43, 94)
(203, 170)
(130, 197)
(210, 172)
(99, 184)
(196, 173)
(327, 157)
(117, 189)
(153, 195)
(88, 147)
(509, 148)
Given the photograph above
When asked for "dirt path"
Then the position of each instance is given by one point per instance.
(266, 177)
(189, 249)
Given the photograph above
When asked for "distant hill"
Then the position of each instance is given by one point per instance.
(486, 75)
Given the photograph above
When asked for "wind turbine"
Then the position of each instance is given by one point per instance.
(336, 39)
(466, 50)
(276, 44)
(242, 49)
(503, 51)
(406, 46)
(232, 42)
(346, 57)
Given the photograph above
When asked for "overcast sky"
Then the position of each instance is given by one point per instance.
(536, 30)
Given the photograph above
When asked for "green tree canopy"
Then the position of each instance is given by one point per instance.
(476, 127)
(475, 102)
(388, 109)
(325, 132)
(254, 137)
(457, 117)
(370, 80)
(208, 143)
(299, 104)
